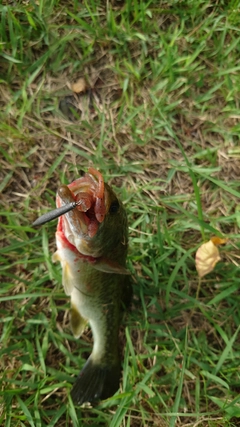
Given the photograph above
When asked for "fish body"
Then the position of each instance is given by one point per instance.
(92, 242)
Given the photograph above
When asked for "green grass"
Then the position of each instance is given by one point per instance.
(169, 144)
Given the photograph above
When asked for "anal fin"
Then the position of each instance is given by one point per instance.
(78, 322)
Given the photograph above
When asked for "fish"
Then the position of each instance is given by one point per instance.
(92, 245)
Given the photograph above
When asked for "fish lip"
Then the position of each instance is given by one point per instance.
(82, 223)
(73, 222)
(74, 228)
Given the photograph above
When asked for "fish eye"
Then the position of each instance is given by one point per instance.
(114, 207)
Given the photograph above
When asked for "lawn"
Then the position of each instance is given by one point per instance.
(158, 115)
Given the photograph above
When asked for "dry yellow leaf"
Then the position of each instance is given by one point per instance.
(206, 258)
(79, 86)
(218, 241)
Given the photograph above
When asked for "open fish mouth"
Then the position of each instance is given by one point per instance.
(83, 221)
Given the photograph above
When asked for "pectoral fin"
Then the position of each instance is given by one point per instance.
(109, 266)
(67, 280)
(78, 323)
(56, 257)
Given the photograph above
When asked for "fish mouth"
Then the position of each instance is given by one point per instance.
(81, 224)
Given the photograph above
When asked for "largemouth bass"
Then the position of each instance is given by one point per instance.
(92, 242)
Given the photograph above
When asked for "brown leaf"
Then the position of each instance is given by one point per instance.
(206, 258)
(218, 241)
(79, 86)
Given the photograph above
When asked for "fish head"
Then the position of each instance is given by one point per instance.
(97, 227)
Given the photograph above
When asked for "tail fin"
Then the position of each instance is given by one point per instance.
(95, 382)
